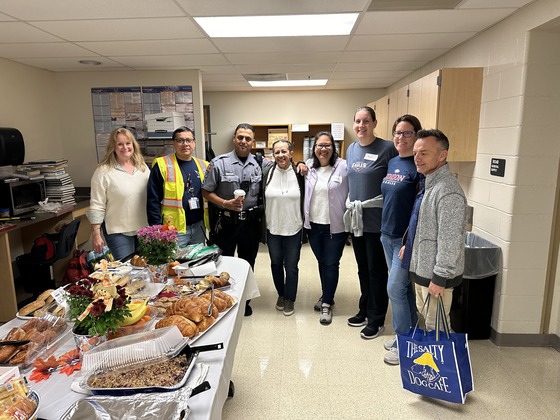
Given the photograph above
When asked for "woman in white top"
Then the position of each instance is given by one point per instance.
(283, 198)
(118, 195)
(326, 190)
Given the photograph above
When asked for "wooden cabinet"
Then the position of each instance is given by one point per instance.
(296, 137)
(381, 108)
(447, 99)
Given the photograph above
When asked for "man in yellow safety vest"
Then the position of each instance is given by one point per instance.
(175, 190)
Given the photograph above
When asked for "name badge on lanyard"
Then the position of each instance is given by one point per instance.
(194, 203)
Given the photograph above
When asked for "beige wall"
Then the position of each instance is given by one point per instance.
(520, 103)
(291, 107)
(28, 102)
(75, 116)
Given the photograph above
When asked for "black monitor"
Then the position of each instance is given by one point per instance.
(12, 148)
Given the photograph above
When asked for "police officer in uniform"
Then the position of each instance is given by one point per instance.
(236, 222)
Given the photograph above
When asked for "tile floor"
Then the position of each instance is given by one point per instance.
(295, 368)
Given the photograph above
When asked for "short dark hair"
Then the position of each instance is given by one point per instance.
(182, 130)
(368, 109)
(334, 156)
(441, 138)
(244, 126)
(411, 119)
(288, 142)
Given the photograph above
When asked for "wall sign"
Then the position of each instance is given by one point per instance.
(497, 167)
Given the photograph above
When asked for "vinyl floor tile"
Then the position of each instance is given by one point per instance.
(295, 368)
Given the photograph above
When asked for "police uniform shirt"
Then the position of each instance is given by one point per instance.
(226, 173)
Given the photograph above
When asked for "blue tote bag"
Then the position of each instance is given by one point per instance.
(436, 364)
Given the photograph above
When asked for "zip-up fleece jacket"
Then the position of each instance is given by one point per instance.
(337, 191)
(438, 252)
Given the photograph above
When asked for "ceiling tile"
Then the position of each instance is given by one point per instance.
(187, 61)
(22, 32)
(98, 9)
(171, 46)
(284, 58)
(429, 21)
(69, 64)
(494, 4)
(43, 50)
(290, 44)
(407, 42)
(122, 29)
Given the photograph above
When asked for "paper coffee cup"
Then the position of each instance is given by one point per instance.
(239, 193)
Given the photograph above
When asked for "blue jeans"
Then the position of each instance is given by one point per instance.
(120, 245)
(399, 286)
(193, 235)
(328, 250)
(284, 254)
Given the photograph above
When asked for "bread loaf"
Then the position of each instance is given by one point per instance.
(186, 326)
(31, 307)
(46, 296)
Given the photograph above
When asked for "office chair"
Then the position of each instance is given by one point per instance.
(37, 271)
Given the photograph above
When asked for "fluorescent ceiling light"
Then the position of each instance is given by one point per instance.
(288, 83)
(286, 25)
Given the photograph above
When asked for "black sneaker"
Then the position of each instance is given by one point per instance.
(280, 303)
(357, 321)
(369, 333)
(248, 309)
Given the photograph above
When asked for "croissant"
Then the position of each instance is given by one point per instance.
(205, 323)
(186, 326)
(227, 298)
(218, 302)
(204, 301)
(188, 308)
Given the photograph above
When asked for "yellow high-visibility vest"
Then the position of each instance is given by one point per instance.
(174, 188)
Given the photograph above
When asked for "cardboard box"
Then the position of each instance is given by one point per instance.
(8, 374)
(275, 134)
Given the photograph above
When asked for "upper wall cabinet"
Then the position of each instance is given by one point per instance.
(381, 108)
(447, 99)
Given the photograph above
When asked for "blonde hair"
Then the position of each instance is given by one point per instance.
(110, 158)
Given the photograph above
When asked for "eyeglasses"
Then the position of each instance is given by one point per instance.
(183, 141)
(323, 146)
(406, 134)
(246, 138)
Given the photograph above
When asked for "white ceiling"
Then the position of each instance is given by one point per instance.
(383, 47)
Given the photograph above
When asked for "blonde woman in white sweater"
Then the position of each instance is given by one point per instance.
(118, 195)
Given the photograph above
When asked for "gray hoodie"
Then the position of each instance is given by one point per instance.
(438, 252)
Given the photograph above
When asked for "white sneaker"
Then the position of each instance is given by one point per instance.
(392, 357)
(389, 343)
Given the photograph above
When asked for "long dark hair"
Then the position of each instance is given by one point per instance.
(334, 156)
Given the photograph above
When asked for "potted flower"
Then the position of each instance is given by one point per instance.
(97, 307)
(158, 245)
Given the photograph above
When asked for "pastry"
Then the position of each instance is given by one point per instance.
(15, 333)
(31, 307)
(205, 323)
(186, 326)
(46, 296)
(188, 308)
(227, 298)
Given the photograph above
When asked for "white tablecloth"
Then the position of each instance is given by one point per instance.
(56, 395)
